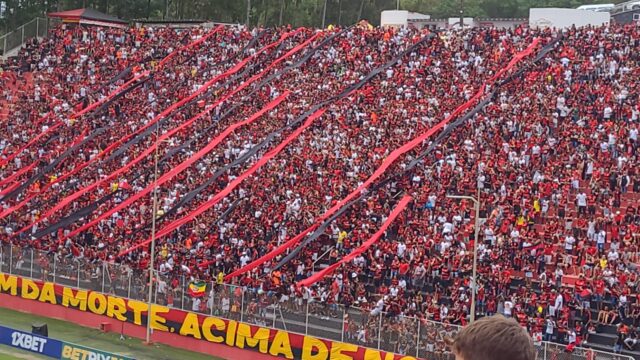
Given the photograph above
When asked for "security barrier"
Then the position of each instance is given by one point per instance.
(410, 336)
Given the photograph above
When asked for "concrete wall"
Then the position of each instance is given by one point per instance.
(454, 22)
(626, 17)
(90, 320)
(395, 18)
(565, 18)
(500, 23)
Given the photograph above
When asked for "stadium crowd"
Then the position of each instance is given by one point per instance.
(552, 158)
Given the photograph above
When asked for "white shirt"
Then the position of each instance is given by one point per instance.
(582, 199)
(559, 302)
(550, 325)
(508, 305)
(443, 312)
(568, 242)
(401, 249)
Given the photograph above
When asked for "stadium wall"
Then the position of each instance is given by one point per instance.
(95, 321)
(210, 335)
(558, 18)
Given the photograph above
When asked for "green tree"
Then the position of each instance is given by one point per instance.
(276, 12)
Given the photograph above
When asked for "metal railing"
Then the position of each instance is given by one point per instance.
(320, 318)
(37, 27)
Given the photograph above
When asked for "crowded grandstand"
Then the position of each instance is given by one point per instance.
(292, 168)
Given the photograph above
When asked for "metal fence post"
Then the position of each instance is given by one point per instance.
(31, 265)
(379, 330)
(155, 299)
(418, 339)
(22, 34)
(213, 284)
(344, 318)
(37, 27)
(129, 286)
(274, 314)
(182, 287)
(54, 268)
(104, 268)
(544, 351)
(10, 245)
(242, 305)
(78, 277)
(306, 319)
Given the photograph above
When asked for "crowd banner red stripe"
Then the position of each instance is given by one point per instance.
(38, 122)
(209, 83)
(192, 44)
(78, 114)
(232, 186)
(362, 248)
(25, 169)
(112, 176)
(3, 162)
(8, 211)
(49, 114)
(13, 176)
(67, 200)
(180, 103)
(270, 255)
(145, 74)
(16, 184)
(110, 96)
(75, 115)
(166, 136)
(181, 167)
(10, 188)
(16, 174)
(144, 154)
(385, 165)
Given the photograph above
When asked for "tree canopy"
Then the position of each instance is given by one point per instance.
(276, 12)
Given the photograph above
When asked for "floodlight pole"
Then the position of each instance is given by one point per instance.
(324, 13)
(476, 205)
(461, 14)
(248, 13)
(153, 231)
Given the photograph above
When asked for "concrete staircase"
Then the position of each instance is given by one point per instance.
(15, 86)
(12, 42)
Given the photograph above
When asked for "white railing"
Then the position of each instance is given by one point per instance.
(37, 27)
(404, 335)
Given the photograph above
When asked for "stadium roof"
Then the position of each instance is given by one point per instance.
(89, 17)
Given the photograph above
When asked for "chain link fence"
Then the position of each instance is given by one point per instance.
(37, 27)
(322, 318)
(551, 351)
